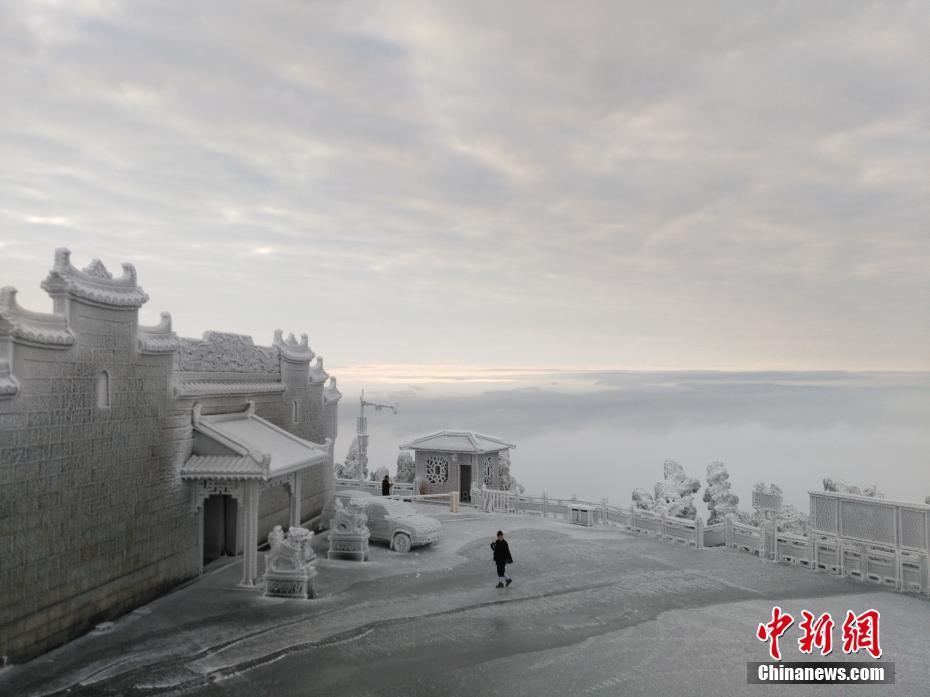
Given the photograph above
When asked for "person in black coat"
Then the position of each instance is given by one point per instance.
(502, 558)
(386, 486)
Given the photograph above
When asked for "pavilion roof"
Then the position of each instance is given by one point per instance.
(458, 442)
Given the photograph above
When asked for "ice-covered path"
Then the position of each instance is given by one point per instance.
(591, 612)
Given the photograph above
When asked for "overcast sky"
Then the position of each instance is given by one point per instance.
(620, 184)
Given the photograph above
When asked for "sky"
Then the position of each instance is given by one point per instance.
(633, 185)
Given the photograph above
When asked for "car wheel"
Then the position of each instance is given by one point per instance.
(402, 543)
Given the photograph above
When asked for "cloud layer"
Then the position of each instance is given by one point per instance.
(638, 184)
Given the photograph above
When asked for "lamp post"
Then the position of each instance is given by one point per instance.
(362, 433)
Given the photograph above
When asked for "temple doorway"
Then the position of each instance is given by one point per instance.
(464, 482)
(219, 527)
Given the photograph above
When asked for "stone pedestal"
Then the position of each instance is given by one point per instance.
(348, 537)
(290, 570)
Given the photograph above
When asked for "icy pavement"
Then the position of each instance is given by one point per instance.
(591, 612)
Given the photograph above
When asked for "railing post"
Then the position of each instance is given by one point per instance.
(633, 518)
(604, 519)
(728, 532)
(699, 532)
(545, 500)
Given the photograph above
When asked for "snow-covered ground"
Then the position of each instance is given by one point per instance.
(591, 611)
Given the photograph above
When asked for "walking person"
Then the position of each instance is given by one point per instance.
(386, 486)
(502, 558)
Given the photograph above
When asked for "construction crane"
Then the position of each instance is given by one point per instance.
(362, 433)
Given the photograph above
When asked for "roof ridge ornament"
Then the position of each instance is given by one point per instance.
(158, 338)
(331, 392)
(292, 350)
(317, 373)
(94, 284)
(49, 330)
(98, 270)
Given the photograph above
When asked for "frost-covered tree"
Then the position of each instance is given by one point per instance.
(349, 468)
(508, 481)
(379, 474)
(842, 487)
(406, 467)
(673, 496)
(721, 502)
(790, 519)
(643, 500)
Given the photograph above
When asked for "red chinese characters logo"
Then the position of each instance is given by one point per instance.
(860, 632)
(817, 633)
(773, 630)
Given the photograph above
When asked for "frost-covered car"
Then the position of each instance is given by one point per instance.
(391, 521)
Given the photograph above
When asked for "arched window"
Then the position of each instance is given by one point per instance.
(103, 389)
(295, 411)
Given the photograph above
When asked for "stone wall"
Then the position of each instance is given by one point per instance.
(94, 517)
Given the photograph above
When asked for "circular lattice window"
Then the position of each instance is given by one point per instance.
(488, 471)
(437, 469)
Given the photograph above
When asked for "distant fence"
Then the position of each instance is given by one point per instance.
(374, 487)
(873, 540)
(683, 530)
(401, 490)
(883, 542)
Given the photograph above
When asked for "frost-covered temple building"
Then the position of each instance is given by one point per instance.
(455, 460)
(130, 457)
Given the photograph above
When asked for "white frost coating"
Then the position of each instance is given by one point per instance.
(349, 534)
(842, 487)
(348, 469)
(721, 502)
(643, 500)
(674, 494)
(508, 481)
(790, 519)
(406, 467)
(289, 565)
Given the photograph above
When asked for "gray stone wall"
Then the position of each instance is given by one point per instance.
(93, 517)
(315, 412)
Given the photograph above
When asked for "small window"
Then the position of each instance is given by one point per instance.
(103, 390)
(295, 411)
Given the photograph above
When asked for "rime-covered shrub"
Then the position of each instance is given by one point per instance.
(721, 502)
(790, 519)
(406, 467)
(379, 474)
(842, 487)
(673, 496)
(508, 481)
(348, 469)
